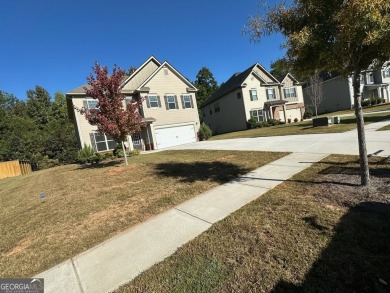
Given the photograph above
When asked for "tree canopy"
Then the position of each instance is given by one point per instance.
(325, 35)
(280, 67)
(37, 130)
(206, 85)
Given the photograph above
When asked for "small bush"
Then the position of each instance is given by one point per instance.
(44, 162)
(205, 132)
(252, 123)
(289, 120)
(366, 103)
(273, 122)
(308, 113)
(87, 155)
(296, 120)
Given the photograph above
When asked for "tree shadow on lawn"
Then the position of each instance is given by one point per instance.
(357, 258)
(220, 172)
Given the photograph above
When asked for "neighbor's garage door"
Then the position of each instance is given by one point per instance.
(176, 135)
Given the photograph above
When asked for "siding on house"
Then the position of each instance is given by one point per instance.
(161, 85)
(337, 95)
(141, 76)
(231, 116)
(234, 113)
(156, 78)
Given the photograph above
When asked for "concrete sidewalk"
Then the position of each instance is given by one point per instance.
(120, 259)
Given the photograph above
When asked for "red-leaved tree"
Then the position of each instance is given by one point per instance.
(110, 115)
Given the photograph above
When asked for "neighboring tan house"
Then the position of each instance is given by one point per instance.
(253, 93)
(169, 108)
(338, 90)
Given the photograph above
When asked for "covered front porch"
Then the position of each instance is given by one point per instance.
(273, 109)
(144, 140)
(379, 91)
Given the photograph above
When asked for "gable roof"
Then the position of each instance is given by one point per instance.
(291, 77)
(150, 59)
(236, 81)
(178, 74)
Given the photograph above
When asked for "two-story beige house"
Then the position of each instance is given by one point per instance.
(253, 93)
(168, 106)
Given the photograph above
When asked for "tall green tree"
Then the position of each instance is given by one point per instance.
(325, 35)
(206, 85)
(39, 105)
(280, 67)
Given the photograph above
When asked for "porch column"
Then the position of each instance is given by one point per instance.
(147, 133)
(284, 113)
(271, 114)
(130, 142)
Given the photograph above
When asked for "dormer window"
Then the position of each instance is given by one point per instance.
(386, 73)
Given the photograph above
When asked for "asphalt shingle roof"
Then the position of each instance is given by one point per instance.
(231, 84)
(81, 90)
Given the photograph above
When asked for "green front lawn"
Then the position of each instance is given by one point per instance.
(318, 232)
(305, 127)
(87, 205)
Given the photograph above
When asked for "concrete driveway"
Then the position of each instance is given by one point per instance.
(378, 143)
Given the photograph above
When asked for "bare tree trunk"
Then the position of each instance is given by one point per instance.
(364, 170)
(124, 152)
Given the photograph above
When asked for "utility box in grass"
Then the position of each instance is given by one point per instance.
(323, 121)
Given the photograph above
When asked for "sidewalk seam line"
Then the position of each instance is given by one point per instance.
(77, 275)
(193, 216)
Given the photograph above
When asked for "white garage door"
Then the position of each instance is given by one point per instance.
(176, 135)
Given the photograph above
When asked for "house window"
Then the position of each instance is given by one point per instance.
(92, 104)
(361, 78)
(271, 94)
(136, 139)
(290, 92)
(187, 101)
(238, 95)
(253, 94)
(211, 111)
(258, 115)
(204, 113)
(370, 77)
(102, 142)
(171, 102)
(216, 108)
(153, 101)
(386, 73)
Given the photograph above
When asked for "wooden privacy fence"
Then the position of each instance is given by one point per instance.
(14, 168)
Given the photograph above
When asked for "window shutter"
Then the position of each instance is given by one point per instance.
(182, 101)
(93, 142)
(250, 93)
(192, 102)
(147, 102)
(166, 102)
(176, 103)
(159, 101)
(85, 104)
